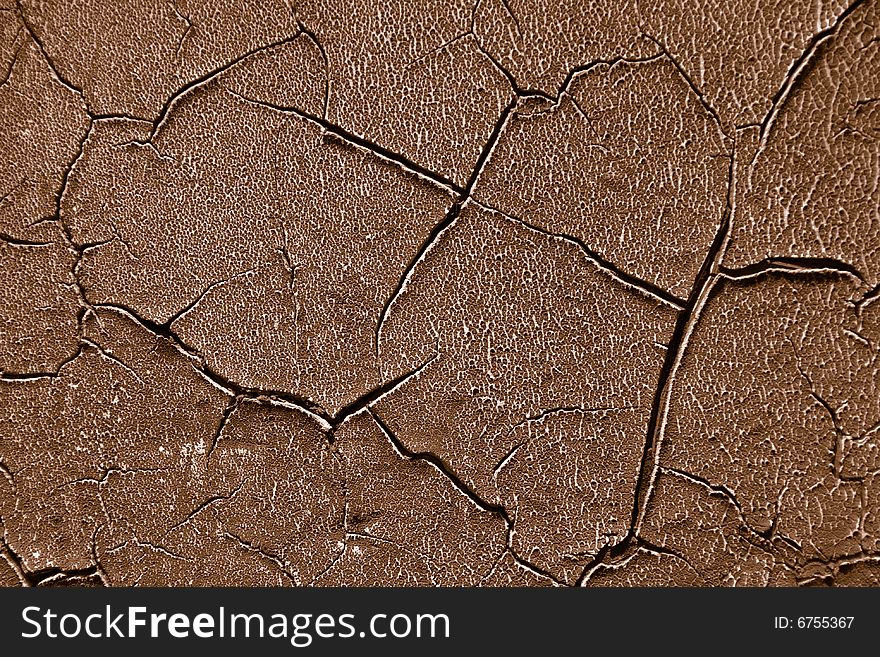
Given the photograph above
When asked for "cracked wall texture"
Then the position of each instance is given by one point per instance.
(493, 293)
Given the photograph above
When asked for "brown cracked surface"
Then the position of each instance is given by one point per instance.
(492, 293)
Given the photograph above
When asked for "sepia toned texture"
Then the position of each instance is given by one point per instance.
(493, 293)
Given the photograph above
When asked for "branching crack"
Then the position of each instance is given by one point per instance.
(711, 272)
(839, 434)
(684, 327)
(186, 21)
(172, 100)
(687, 319)
(24, 377)
(37, 40)
(46, 576)
(229, 388)
(374, 395)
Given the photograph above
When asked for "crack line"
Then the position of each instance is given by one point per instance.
(535, 570)
(797, 69)
(442, 468)
(716, 489)
(368, 399)
(251, 547)
(684, 328)
(403, 281)
(356, 141)
(172, 100)
(687, 78)
(792, 265)
(628, 280)
(685, 325)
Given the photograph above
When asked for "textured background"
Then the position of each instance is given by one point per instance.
(440, 293)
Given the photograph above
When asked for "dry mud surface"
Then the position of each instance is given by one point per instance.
(505, 293)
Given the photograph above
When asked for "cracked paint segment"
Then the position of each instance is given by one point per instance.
(469, 293)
